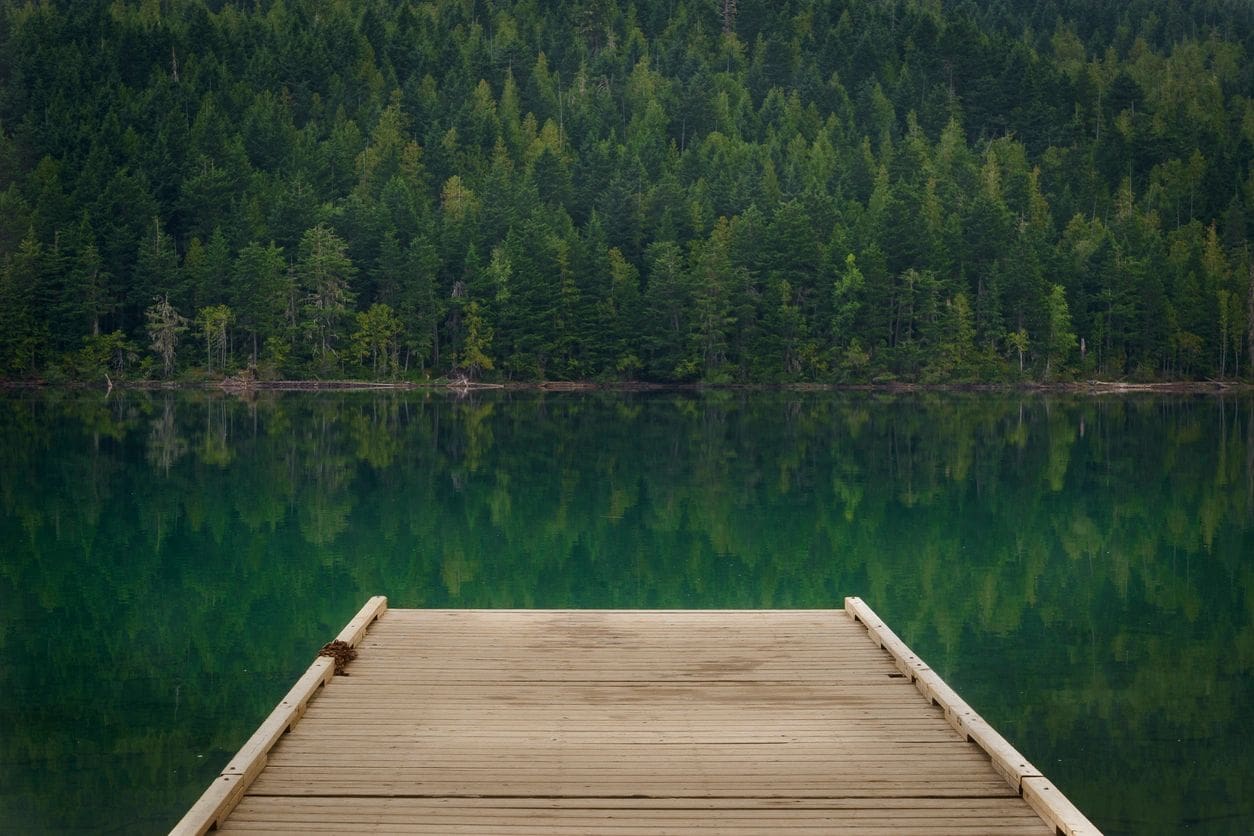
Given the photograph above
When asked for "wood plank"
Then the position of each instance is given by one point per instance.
(355, 630)
(223, 794)
(888, 826)
(884, 789)
(1051, 804)
(416, 806)
(625, 722)
(347, 807)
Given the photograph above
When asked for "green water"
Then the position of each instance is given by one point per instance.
(1082, 571)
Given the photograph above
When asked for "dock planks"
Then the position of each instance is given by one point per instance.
(628, 722)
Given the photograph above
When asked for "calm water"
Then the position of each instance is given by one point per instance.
(1082, 571)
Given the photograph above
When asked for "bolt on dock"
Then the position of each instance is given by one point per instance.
(627, 722)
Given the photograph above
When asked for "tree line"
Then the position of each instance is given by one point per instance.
(670, 191)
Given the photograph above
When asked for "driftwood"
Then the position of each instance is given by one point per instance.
(242, 383)
(463, 383)
(566, 386)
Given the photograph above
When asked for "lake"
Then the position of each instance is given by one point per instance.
(1081, 570)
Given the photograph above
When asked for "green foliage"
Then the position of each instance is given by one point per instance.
(265, 302)
(429, 158)
(377, 337)
(957, 344)
(324, 271)
(1062, 340)
(1017, 341)
(22, 335)
(846, 301)
(474, 358)
(102, 354)
(212, 322)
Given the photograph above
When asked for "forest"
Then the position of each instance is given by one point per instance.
(718, 191)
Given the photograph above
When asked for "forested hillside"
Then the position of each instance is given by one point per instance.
(666, 190)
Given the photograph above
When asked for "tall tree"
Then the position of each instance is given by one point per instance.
(377, 336)
(22, 335)
(266, 296)
(712, 278)
(1062, 339)
(473, 357)
(325, 272)
(156, 267)
(667, 298)
(420, 309)
(212, 321)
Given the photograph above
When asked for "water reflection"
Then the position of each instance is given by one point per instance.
(1079, 569)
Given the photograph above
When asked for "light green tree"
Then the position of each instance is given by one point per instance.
(324, 271)
(1249, 316)
(846, 300)
(473, 357)
(957, 344)
(212, 322)
(377, 335)
(103, 353)
(1062, 339)
(1018, 341)
(1222, 305)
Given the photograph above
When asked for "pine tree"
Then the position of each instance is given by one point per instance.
(86, 300)
(667, 300)
(212, 322)
(473, 357)
(419, 309)
(22, 334)
(265, 312)
(156, 267)
(626, 315)
(712, 278)
(1062, 339)
(377, 336)
(324, 271)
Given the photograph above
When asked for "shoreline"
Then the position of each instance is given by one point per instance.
(236, 386)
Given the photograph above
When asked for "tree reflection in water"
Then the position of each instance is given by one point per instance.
(1079, 569)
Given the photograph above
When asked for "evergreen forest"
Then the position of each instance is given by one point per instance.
(721, 191)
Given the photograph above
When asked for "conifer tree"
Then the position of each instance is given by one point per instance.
(325, 272)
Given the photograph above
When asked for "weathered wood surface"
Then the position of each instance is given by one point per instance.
(216, 803)
(1043, 796)
(626, 722)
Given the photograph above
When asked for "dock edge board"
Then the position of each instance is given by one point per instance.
(226, 791)
(217, 802)
(1046, 799)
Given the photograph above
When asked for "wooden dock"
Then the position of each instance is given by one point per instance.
(627, 722)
